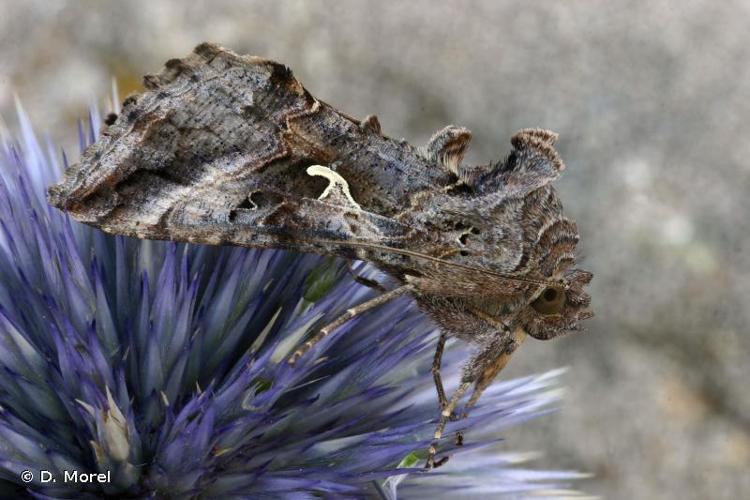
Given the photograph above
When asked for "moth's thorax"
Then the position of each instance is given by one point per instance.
(497, 232)
(522, 236)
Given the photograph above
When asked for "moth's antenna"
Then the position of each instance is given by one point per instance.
(437, 260)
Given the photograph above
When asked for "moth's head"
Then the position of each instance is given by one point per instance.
(532, 280)
(556, 308)
(549, 298)
(518, 193)
(552, 256)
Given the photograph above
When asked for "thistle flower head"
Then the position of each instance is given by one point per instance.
(164, 364)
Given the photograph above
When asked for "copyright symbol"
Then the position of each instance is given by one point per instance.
(27, 476)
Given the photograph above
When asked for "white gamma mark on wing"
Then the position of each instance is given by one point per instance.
(334, 180)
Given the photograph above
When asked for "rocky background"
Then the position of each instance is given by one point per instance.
(651, 99)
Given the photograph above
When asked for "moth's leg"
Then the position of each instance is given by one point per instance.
(349, 314)
(493, 366)
(442, 400)
(362, 280)
(445, 415)
(481, 371)
(436, 362)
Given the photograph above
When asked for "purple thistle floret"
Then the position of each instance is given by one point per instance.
(164, 364)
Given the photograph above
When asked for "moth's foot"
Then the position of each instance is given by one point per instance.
(301, 351)
(294, 358)
(453, 417)
(432, 463)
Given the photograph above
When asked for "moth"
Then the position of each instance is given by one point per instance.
(224, 149)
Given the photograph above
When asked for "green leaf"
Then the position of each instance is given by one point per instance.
(409, 460)
(261, 384)
(321, 280)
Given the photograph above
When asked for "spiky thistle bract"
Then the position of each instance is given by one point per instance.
(163, 364)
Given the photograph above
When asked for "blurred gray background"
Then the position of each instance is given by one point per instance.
(651, 99)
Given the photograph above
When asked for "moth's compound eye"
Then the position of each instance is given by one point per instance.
(551, 301)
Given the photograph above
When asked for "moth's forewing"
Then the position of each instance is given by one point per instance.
(217, 151)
